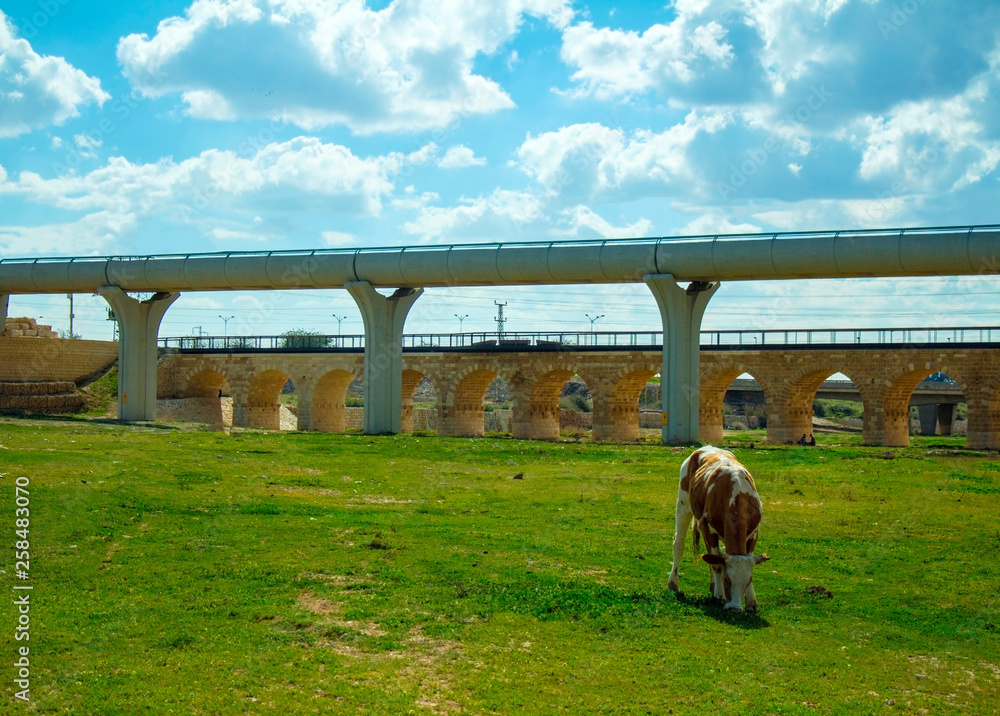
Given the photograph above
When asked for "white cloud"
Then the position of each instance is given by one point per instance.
(412, 201)
(460, 156)
(922, 145)
(36, 90)
(712, 224)
(591, 161)
(87, 146)
(224, 234)
(336, 238)
(583, 222)
(89, 235)
(492, 217)
(206, 191)
(613, 63)
(406, 67)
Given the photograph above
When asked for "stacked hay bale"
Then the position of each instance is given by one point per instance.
(37, 396)
(47, 397)
(24, 327)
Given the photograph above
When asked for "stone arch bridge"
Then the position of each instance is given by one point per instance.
(885, 380)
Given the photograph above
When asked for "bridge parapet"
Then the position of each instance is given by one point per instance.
(855, 339)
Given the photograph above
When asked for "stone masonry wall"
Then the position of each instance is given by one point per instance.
(27, 359)
(789, 379)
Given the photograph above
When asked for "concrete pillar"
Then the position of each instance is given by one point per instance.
(138, 324)
(928, 418)
(383, 317)
(681, 311)
(4, 302)
(946, 418)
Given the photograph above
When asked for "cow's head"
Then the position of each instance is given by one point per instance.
(737, 576)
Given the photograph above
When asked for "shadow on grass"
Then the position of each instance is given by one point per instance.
(41, 417)
(712, 607)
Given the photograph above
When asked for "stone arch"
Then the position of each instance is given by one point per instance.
(328, 413)
(460, 411)
(616, 409)
(983, 432)
(207, 387)
(536, 404)
(263, 409)
(206, 383)
(790, 413)
(896, 400)
(411, 379)
(712, 398)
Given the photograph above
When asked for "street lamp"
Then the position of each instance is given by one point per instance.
(460, 319)
(226, 320)
(592, 320)
(339, 319)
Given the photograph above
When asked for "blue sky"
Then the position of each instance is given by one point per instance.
(158, 127)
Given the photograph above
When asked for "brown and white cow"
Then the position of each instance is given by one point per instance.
(718, 493)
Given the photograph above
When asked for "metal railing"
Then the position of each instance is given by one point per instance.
(620, 340)
(925, 386)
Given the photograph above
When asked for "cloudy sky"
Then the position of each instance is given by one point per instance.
(232, 125)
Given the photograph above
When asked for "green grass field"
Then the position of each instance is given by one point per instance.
(194, 572)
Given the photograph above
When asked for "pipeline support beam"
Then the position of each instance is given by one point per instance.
(4, 302)
(383, 317)
(138, 325)
(681, 311)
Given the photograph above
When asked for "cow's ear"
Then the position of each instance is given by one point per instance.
(716, 559)
(760, 558)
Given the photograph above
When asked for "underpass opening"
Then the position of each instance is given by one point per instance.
(795, 410)
(730, 398)
(924, 401)
(206, 398)
(420, 402)
(576, 407)
(498, 401)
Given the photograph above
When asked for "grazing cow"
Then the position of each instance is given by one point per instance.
(718, 493)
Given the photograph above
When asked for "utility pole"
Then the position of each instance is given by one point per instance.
(114, 319)
(500, 319)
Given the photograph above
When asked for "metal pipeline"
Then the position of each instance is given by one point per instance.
(843, 254)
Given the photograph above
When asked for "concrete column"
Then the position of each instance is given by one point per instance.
(946, 418)
(138, 324)
(384, 317)
(681, 311)
(4, 302)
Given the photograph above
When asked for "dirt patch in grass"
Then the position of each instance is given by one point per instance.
(296, 490)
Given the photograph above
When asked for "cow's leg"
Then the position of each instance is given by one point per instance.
(683, 523)
(750, 599)
(718, 585)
